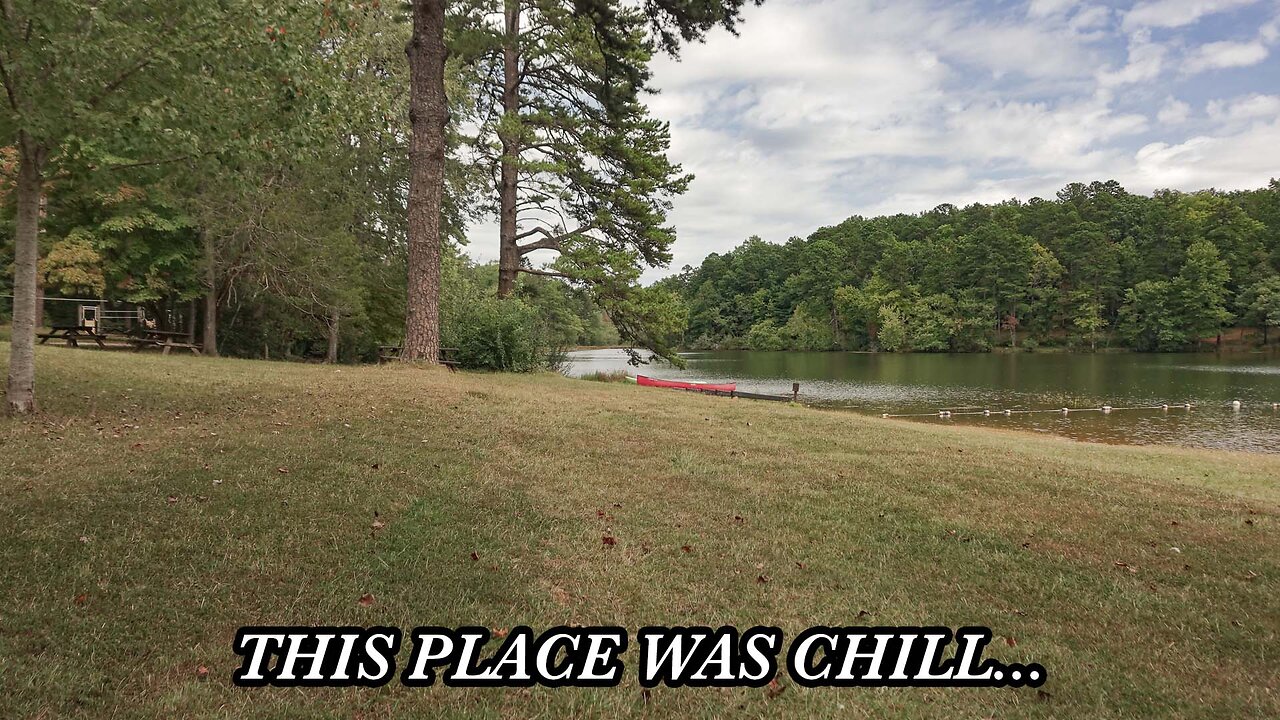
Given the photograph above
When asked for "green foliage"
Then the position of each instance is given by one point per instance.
(767, 336)
(893, 330)
(1069, 269)
(72, 266)
(1201, 290)
(1263, 302)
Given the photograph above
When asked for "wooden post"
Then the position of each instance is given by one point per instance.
(795, 392)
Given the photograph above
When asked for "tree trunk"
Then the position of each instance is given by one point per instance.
(331, 357)
(209, 341)
(428, 115)
(22, 371)
(39, 322)
(191, 322)
(508, 251)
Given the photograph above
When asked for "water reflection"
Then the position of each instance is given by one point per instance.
(903, 384)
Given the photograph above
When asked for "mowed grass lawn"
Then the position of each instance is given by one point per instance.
(158, 503)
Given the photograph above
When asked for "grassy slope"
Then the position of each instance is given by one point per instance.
(153, 487)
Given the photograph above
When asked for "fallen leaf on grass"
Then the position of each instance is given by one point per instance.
(475, 555)
(202, 672)
(801, 565)
(774, 689)
(1010, 642)
(171, 499)
(609, 540)
(500, 632)
(282, 470)
(762, 579)
(686, 548)
(1043, 696)
(84, 538)
(378, 525)
(1126, 566)
(81, 599)
(366, 600)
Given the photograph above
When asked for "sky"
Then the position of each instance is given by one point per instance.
(823, 109)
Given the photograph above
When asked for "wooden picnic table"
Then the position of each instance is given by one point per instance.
(72, 334)
(143, 338)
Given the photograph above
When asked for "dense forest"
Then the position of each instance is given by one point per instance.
(1094, 267)
(311, 194)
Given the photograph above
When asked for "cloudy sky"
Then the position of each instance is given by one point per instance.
(822, 109)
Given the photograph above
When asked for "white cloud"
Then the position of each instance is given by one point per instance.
(1243, 109)
(1176, 13)
(1225, 54)
(1174, 112)
(1046, 8)
(1233, 162)
(1146, 60)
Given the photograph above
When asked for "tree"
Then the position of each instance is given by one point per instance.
(893, 330)
(1201, 291)
(1148, 321)
(1263, 302)
(428, 116)
(103, 86)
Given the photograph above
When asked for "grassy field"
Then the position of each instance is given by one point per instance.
(157, 504)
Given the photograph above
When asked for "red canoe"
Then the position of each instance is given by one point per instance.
(701, 387)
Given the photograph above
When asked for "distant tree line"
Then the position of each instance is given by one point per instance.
(1095, 266)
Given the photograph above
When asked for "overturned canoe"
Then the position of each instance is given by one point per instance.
(678, 385)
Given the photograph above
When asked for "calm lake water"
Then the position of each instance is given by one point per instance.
(927, 383)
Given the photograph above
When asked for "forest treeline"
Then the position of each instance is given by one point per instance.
(1095, 266)
(300, 180)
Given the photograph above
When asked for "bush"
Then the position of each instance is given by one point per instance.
(893, 330)
(1030, 344)
(492, 334)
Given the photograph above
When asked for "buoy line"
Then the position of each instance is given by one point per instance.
(1235, 405)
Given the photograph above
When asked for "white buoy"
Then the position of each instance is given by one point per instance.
(986, 413)
(1106, 409)
(885, 415)
(1187, 405)
(1275, 406)
(1065, 411)
(1165, 407)
(1008, 412)
(1235, 405)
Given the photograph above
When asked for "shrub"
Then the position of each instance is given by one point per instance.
(492, 334)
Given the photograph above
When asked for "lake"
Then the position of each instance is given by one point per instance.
(907, 384)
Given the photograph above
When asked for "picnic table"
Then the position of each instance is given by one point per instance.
(72, 334)
(447, 358)
(143, 338)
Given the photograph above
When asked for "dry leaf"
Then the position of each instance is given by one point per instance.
(686, 548)
(282, 470)
(762, 579)
(475, 555)
(171, 499)
(500, 632)
(366, 600)
(609, 540)
(81, 599)
(202, 672)
(774, 689)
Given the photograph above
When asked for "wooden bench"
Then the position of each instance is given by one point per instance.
(447, 357)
